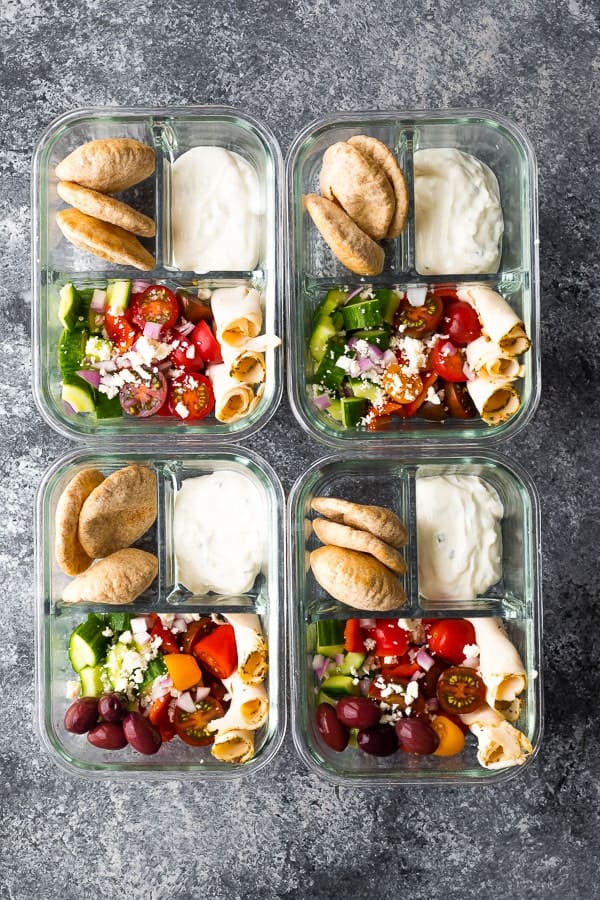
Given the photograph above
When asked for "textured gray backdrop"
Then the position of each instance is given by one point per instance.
(287, 834)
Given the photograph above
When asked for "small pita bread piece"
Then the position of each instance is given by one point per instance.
(379, 520)
(363, 541)
(360, 186)
(117, 579)
(70, 555)
(106, 208)
(357, 579)
(380, 155)
(108, 165)
(104, 239)
(349, 243)
(118, 511)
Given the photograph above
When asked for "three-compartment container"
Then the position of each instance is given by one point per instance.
(57, 619)
(313, 269)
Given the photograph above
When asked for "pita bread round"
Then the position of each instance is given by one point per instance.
(118, 579)
(349, 243)
(381, 155)
(118, 511)
(356, 579)
(106, 208)
(70, 555)
(103, 239)
(108, 165)
(360, 186)
(379, 520)
(363, 541)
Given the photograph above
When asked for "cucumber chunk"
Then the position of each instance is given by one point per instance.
(79, 396)
(391, 302)
(119, 622)
(325, 698)
(380, 337)
(330, 637)
(156, 668)
(108, 408)
(366, 314)
(68, 306)
(367, 390)
(92, 681)
(87, 644)
(328, 373)
(337, 686)
(335, 410)
(71, 351)
(353, 410)
(352, 661)
(118, 294)
(334, 299)
(323, 331)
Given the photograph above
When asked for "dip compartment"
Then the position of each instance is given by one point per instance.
(389, 480)
(169, 131)
(312, 268)
(55, 620)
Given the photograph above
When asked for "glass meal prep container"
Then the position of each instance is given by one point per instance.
(389, 480)
(170, 131)
(55, 619)
(313, 270)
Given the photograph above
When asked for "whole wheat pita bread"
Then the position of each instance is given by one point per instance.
(354, 539)
(379, 520)
(108, 165)
(360, 186)
(104, 239)
(70, 555)
(118, 511)
(356, 579)
(349, 243)
(381, 155)
(106, 208)
(117, 579)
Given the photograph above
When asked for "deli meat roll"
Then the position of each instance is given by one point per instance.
(499, 321)
(237, 314)
(500, 744)
(500, 665)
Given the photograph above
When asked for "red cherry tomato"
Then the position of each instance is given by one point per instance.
(196, 630)
(457, 401)
(460, 690)
(448, 361)
(192, 728)
(390, 639)
(404, 668)
(158, 305)
(168, 640)
(120, 331)
(208, 345)
(411, 409)
(353, 639)
(187, 356)
(419, 321)
(159, 717)
(461, 322)
(191, 396)
(448, 637)
(144, 396)
(217, 651)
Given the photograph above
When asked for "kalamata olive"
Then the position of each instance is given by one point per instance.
(108, 736)
(141, 734)
(357, 712)
(81, 715)
(112, 707)
(378, 741)
(330, 728)
(417, 736)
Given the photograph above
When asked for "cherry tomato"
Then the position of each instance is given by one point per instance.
(194, 309)
(411, 409)
(390, 639)
(120, 331)
(428, 684)
(448, 637)
(404, 668)
(187, 356)
(353, 639)
(461, 322)
(145, 396)
(217, 651)
(159, 717)
(460, 690)
(207, 343)
(457, 401)
(452, 739)
(448, 361)
(419, 321)
(196, 630)
(400, 385)
(158, 305)
(191, 396)
(191, 727)
(168, 640)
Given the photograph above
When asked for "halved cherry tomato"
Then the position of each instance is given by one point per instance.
(428, 684)
(452, 738)
(404, 668)
(419, 321)
(191, 727)
(353, 639)
(458, 401)
(159, 717)
(400, 385)
(195, 631)
(186, 355)
(158, 305)
(461, 322)
(448, 637)
(168, 640)
(193, 308)
(460, 690)
(207, 343)
(144, 396)
(411, 409)
(191, 396)
(120, 331)
(390, 639)
(448, 361)
(217, 651)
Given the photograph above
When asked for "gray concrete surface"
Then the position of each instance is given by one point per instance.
(286, 833)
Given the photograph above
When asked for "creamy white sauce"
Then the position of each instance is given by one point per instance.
(458, 214)
(459, 538)
(215, 211)
(219, 533)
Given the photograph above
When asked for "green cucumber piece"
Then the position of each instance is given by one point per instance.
(378, 336)
(328, 374)
(353, 738)
(311, 637)
(351, 661)
(366, 314)
(68, 306)
(353, 410)
(335, 409)
(92, 681)
(108, 408)
(334, 298)
(87, 644)
(71, 351)
(391, 302)
(78, 394)
(118, 294)
(330, 637)
(367, 390)
(337, 686)
(323, 331)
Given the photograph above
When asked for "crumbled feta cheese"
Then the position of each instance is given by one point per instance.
(148, 350)
(98, 350)
(182, 410)
(370, 644)
(412, 692)
(107, 632)
(367, 294)
(470, 651)
(433, 396)
(125, 637)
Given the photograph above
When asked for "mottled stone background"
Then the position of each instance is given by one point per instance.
(286, 833)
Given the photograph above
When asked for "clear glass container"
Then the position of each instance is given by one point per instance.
(388, 479)
(170, 131)
(312, 268)
(55, 620)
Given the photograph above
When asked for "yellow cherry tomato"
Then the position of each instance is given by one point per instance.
(452, 740)
(400, 385)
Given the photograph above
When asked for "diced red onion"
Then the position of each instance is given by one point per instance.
(317, 661)
(91, 376)
(179, 625)
(389, 358)
(107, 365)
(368, 623)
(98, 301)
(356, 291)
(152, 330)
(138, 286)
(202, 693)
(424, 659)
(364, 364)
(322, 401)
(416, 676)
(165, 682)
(137, 624)
(185, 702)
(416, 296)
(185, 328)
(352, 342)
(339, 659)
(376, 354)
(70, 409)
(322, 669)
(164, 365)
